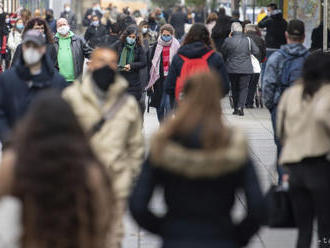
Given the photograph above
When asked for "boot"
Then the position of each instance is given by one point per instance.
(240, 112)
(235, 112)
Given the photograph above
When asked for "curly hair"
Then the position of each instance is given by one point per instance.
(39, 21)
(52, 179)
(198, 32)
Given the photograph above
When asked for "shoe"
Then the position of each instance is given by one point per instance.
(235, 112)
(249, 106)
(240, 112)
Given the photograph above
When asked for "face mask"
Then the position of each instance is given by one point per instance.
(64, 30)
(144, 30)
(130, 41)
(31, 56)
(166, 38)
(104, 77)
(20, 26)
(7, 20)
(95, 23)
(67, 9)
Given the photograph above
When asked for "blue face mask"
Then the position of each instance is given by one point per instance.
(95, 23)
(20, 26)
(166, 38)
(130, 41)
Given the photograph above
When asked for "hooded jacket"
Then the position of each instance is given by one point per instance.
(119, 144)
(195, 50)
(18, 88)
(273, 72)
(199, 190)
(276, 27)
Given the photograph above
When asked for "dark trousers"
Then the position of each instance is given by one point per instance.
(310, 195)
(164, 107)
(239, 88)
(252, 89)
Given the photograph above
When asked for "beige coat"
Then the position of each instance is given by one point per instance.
(303, 125)
(119, 144)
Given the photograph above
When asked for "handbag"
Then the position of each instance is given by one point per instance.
(279, 208)
(254, 61)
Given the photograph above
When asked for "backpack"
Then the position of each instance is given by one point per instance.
(292, 69)
(190, 67)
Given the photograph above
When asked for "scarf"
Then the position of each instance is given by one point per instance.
(166, 60)
(127, 55)
(154, 72)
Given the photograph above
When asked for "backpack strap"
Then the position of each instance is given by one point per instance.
(207, 55)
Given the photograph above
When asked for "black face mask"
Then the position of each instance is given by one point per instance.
(104, 77)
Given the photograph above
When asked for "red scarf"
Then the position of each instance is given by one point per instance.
(166, 59)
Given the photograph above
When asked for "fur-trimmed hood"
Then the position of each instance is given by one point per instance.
(193, 163)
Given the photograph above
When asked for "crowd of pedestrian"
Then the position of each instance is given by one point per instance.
(71, 124)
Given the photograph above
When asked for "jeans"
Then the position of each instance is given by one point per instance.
(310, 194)
(164, 107)
(252, 89)
(273, 114)
(239, 88)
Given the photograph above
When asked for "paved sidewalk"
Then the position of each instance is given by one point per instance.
(257, 126)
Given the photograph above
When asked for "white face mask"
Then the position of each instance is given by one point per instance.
(67, 9)
(31, 56)
(144, 30)
(64, 30)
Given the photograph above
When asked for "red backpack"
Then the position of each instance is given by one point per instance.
(190, 67)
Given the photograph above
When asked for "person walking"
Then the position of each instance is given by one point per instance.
(196, 45)
(113, 36)
(303, 129)
(90, 13)
(32, 74)
(211, 21)
(5, 56)
(222, 29)
(161, 58)
(237, 51)
(178, 20)
(131, 59)
(42, 164)
(70, 16)
(51, 20)
(15, 36)
(199, 163)
(252, 31)
(280, 74)
(113, 121)
(41, 26)
(95, 33)
(71, 51)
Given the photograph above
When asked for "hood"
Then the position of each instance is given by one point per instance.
(194, 50)
(193, 163)
(277, 14)
(294, 49)
(58, 36)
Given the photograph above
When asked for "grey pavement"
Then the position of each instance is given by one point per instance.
(257, 126)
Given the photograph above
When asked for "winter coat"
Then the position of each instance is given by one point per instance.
(110, 39)
(119, 145)
(90, 12)
(71, 18)
(80, 51)
(14, 39)
(178, 19)
(51, 52)
(195, 50)
(95, 36)
(237, 55)
(317, 37)
(272, 89)
(303, 124)
(18, 88)
(221, 31)
(144, 73)
(133, 76)
(199, 189)
(52, 25)
(276, 27)
(210, 26)
(260, 44)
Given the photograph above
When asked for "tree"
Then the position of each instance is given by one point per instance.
(166, 3)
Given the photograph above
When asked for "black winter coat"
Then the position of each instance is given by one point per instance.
(80, 51)
(133, 76)
(199, 196)
(71, 18)
(276, 27)
(260, 44)
(236, 53)
(110, 39)
(195, 50)
(95, 36)
(317, 37)
(91, 12)
(178, 20)
(18, 88)
(51, 51)
(221, 31)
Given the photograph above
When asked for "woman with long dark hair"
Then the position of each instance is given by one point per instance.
(15, 36)
(200, 163)
(5, 28)
(196, 45)
(42, 26)
(132, 59)
(65, 192)
(304, 130)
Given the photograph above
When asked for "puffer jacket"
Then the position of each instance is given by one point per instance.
(236, 53)
(119, 145)
(80, 51)
(199, 191)
(271, 84)
(276, 27)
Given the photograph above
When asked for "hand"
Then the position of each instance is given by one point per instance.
(127, 67)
